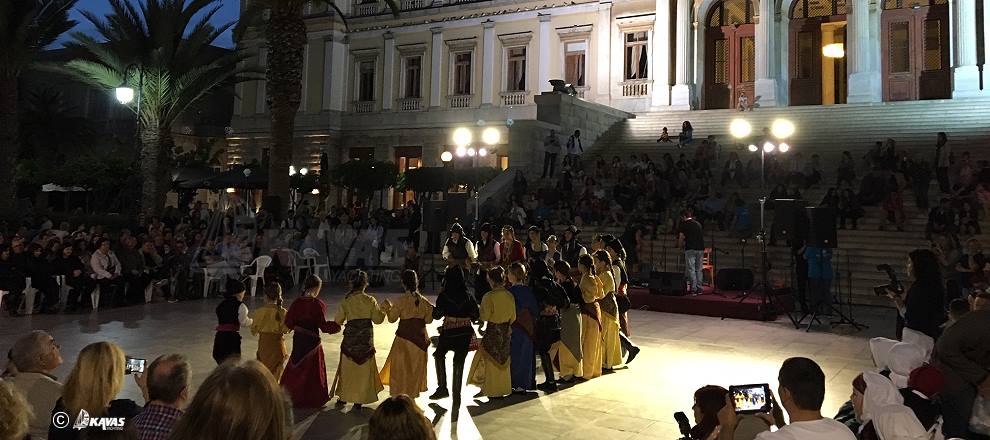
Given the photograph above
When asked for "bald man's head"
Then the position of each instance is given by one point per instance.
(168, 379)
(981, 301)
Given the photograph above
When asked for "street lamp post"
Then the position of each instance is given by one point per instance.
(462, 138)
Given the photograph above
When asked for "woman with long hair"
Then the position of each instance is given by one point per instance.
(923, 306)
(490, 369)
(611, 349)
(458, 308)
(405, 368)
(523, 355)
(238, 400)
(357, 379)
(591, 327)
(305, 375)
(269, 326)
(95, 379)
(567, 354)
(398, 418)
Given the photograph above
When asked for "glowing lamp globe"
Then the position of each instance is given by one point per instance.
(483, 152)
(753, 148)
(491, 136)
(461, 151)
(462, 137)
(834, 50)
(471, 152)
(783, 147)
(782, 129)
(125, 95)
(740, 128)
(768, 147)
(446, 156)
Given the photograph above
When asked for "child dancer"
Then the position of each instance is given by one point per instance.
(231, 315)
(357, 379)
(490, 367)
(269, 326)
(611, 353)
(305, 375)
(405, 369)
(591, 330)
(568, 353)
(523, 355)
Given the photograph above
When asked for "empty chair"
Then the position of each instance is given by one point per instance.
(210, 275)
(312, 257)
(260, 264)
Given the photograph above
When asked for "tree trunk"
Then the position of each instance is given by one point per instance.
(286, 40)
(156, 142)
(9, 145)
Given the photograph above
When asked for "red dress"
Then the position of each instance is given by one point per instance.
(514, 253)
(305, 375)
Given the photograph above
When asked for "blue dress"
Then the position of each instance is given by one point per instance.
(523, 356)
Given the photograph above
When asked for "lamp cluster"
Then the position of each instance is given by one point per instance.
(462, 138)
(781, 129)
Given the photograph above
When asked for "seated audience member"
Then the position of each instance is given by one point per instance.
(95, 380)
(36, 356)
(881, 411)
(165, 385)
(107, 272)
(904, 358)
(238, 400)
(802, 391)
(961, 356)
(36, 266)
(71, 267)
(709, 402)
(848, 209)
(664, 136)
(15, 413)
(12, 281)
(921, 395)
(941, 219)
(893, 207)
(397, 418)
(957, 308)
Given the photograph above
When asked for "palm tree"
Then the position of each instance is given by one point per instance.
(164, 48)
(285, 29)
(26, 28)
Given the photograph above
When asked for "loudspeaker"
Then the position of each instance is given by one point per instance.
(821, 230)
(788, 218)
(734, 279)
(667, 283)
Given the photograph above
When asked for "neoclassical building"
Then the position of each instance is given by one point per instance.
(393, 88)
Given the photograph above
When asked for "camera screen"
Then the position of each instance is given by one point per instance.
(134, 365)
(751, 398)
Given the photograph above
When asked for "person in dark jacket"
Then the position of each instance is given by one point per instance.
(81, 285)
(11, 280)
(41, 272)
(458, 309)
(923, 308)
(962, 354)
(551, 297)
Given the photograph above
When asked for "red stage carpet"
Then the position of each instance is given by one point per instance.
(724, 304)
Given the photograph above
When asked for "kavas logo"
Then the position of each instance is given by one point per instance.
(84, 421)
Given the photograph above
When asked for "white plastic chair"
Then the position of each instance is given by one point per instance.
(94, 298)
(312, 257)
(63, 290)
(210, 275)
(28, 299)
(297, 265)
(260, 264)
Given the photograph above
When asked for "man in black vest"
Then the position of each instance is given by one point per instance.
(571, 249)
(488, 257)
(458, 250)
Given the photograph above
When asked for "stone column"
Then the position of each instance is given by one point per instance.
(388, 71)
(766, 47)
(335, 68)
(543, 78)
(260, 106)
(681, 94)
(661, 55)
(965, 73)
(436, 67)
(603, 50)
(488, 63)
(862, 55)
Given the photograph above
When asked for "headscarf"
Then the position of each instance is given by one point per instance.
(920, 339)
(904, 357)
(926, 380)
(884, 406)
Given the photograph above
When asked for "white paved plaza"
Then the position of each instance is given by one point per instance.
(680, 353)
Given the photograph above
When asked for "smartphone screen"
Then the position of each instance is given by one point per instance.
(750, 399)
(134, 365)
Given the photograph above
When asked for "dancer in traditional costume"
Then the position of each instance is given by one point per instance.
(618, 255)
(489, 254)
(611, 351)
(457, 308)
(357, 379)
(405, 369)
(591, 330)
(231, 315)
(458, 250)
(523, 355)
(512, 249)
(550, 297)
(490, 369)
(305, 375)
(269, 326)
(536, 249)
(567, 354)
(570, 248)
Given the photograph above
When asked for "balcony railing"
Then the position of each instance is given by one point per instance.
(514, 98)
(459, 101)
(410, 104)
(581, 91)
(636, 87)
(364, 106)
(414, 4)
(366, 8)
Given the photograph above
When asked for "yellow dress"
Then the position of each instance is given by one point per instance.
(405, 369)
(358, 383)
(494, 379)
(271, 347)
(611, 349)
(591, 334)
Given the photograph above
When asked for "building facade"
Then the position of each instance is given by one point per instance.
(393, 88)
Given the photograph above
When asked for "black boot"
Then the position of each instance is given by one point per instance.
(458, 382)
(551, 382)
(630, 348)
(441, 363)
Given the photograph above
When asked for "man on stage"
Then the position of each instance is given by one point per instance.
(458, 250)
(692, 238)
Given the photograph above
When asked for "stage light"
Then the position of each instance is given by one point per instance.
(784, 147)
(782, 129)
(483, 152)
(491, 136)
(753, 148)
(292, 170)
(462, 137)
(740, 128)
(446, 156)
(461, 151)
(471, 152)
(768, 147)
(316, 191)
(231, 190)
(834, 50)
(125, 95)
(304, 171)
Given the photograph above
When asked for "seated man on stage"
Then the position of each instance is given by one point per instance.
(458, 250)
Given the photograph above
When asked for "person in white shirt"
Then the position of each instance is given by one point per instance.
(802, 391)
(458, 250)
(107, 271)
(574, 145)
(36, 355)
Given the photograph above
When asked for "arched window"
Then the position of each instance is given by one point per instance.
(818, 8)
(731, 12)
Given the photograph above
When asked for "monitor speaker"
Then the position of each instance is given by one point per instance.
(734, 279)
(667, 283)
(821, 230)
(788, 218)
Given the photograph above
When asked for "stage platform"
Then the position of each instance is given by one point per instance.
(721, 304)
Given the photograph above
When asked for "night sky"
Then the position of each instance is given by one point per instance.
(229, 11)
